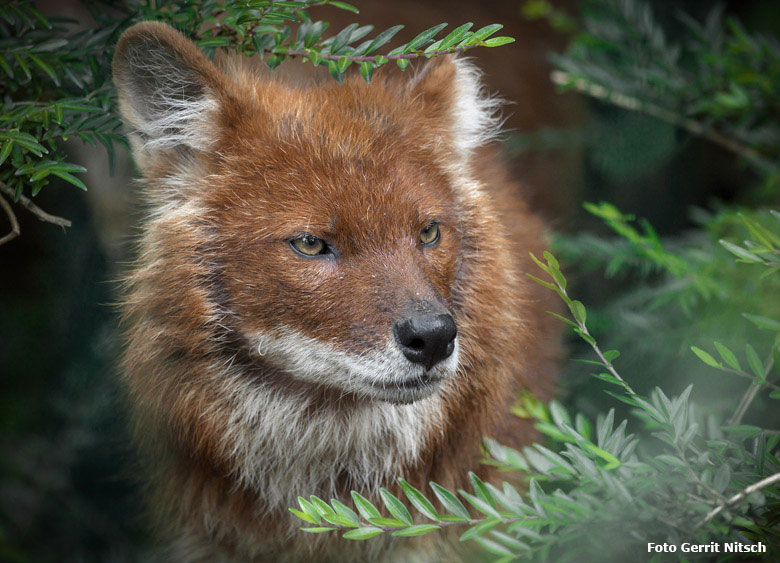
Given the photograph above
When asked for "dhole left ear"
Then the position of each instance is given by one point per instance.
(169, 92)
(451, 90)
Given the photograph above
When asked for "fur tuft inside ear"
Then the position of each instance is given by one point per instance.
(168, 90)
(452, 88)
(477, 120)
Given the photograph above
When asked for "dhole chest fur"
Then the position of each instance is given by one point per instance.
(328, 294)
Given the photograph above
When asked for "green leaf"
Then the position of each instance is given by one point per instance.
(548, 285)
(455, 36)
(70, 179)
(318, 530)
(494, 547)
(743, 431)
(705, 357)
(509, 541)
(366, 71)
(728, 356)
(402, 63)
(479, 529)
(417, 530)
(608, 377)
(219, 41)
(275, 60)
(740, 252)
(722, 478)
(612, 461)
(45, 68)
(480, 504)
(763, 322)
(322, 507)
(498, 41)
(450, 501)
(485, 32)
(343, 63)
(480, 489)
(387, 522)
(362, 533)
(564, 319)
(333, 68)
(303, 516)
(6, 150)
(383, 38)
(6, 67)
(423, 38)
(755, 363)
(395, 506)
(578, 310)
(775, 394)
(366, 509)
(344, 6)
(419, 501)
(611, 355)
(310, 509)
(432, 49)
(344, 511)
(583, 427)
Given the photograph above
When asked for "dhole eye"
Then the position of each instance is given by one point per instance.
(309, 245)
(430, 234)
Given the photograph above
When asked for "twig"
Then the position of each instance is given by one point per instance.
(15, 231)
(34, 209)
(371, 58)
(441, 524)
(744, 403)
(738, 497)
(749, 376)
(691, 125)
(751, 393)
(592, 341)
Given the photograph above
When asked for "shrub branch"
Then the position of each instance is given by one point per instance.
(34, 209)
(739, 497)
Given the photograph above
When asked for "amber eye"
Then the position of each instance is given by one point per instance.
(430, 234)
(309, 245)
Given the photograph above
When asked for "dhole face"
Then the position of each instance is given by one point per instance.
(381, 218)
(386, 240)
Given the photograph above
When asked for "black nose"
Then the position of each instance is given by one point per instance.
(426, 339)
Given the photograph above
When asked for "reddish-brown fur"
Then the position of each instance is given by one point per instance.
(365, 167)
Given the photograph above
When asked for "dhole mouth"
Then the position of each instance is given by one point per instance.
(425, 380)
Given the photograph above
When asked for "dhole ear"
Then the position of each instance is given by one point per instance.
(168, 90)
(451, 90)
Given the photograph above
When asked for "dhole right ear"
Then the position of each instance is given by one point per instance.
(169, 92)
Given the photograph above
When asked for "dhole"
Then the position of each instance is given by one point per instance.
(328, 294)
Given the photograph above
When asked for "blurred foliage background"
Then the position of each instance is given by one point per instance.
(66, 468)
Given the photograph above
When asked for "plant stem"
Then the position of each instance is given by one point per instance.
(691, 125)
(751, 393)
(436, 523)
(370, 58)
(15, 231)
(738, 497)
(34, 209)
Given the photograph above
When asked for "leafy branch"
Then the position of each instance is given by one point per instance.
(698, 128)
(717, 81)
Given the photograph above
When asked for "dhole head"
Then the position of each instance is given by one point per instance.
(330, 221)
